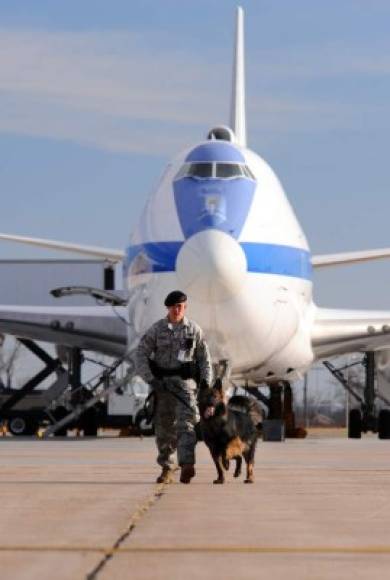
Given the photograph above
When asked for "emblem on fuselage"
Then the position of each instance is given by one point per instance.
(214, 205)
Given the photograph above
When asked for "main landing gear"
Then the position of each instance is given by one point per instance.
(365, 416)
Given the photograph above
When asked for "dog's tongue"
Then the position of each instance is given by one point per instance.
(209, 412)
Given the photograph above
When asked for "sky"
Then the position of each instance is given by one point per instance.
(97, 96)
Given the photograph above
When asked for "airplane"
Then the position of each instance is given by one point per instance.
(219, 227)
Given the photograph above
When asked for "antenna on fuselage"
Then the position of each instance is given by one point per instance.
(237, 111)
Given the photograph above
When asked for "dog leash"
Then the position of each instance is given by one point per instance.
(177, 397)
(154, 393)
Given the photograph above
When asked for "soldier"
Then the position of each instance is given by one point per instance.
(172, 357)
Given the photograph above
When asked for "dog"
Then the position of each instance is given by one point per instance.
(230, 430)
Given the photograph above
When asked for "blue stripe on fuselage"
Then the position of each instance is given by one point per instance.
(261, 258)
(276, 259)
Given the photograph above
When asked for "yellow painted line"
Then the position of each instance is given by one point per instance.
(205, 549)
(260, 549)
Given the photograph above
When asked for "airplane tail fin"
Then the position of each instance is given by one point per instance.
(237, 112)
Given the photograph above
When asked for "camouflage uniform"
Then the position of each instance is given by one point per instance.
(169, 345)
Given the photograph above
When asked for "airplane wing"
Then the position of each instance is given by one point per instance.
(337, 332)
(99, 328)
(109, 254)
(349, 257)
(114, 255)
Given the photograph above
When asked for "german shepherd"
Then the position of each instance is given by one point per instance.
(230, 430)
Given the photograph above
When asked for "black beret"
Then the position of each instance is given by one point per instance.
(175, 297)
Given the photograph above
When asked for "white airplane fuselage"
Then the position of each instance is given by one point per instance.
(220, 228)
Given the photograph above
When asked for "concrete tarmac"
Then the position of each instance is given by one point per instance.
(89, 508)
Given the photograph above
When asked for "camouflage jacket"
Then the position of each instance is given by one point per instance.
(169, 345)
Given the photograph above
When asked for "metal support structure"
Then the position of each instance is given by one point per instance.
(259, 395)
(364, 416)
(368, 407)
(339, 375)
(74, 365)
(51, 365)
(95, 396)
(75, 361)
(67, 403)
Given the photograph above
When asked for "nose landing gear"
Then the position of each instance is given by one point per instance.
(280, 408)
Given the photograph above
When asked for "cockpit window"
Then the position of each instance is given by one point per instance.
(200, 170)
(228, 170)
(215, 170)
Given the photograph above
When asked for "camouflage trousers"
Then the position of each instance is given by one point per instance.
(175, 420)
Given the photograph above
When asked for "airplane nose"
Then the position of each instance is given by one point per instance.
(211, 266)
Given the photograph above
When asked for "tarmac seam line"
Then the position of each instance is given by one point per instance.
(141, 510)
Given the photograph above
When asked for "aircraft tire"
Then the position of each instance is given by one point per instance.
(20, 426)
(384, 424)
(355, 424)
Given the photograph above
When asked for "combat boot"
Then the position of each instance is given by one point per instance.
(187, 473)
(166, 475)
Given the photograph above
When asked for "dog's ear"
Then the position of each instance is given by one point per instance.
(218, 385)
